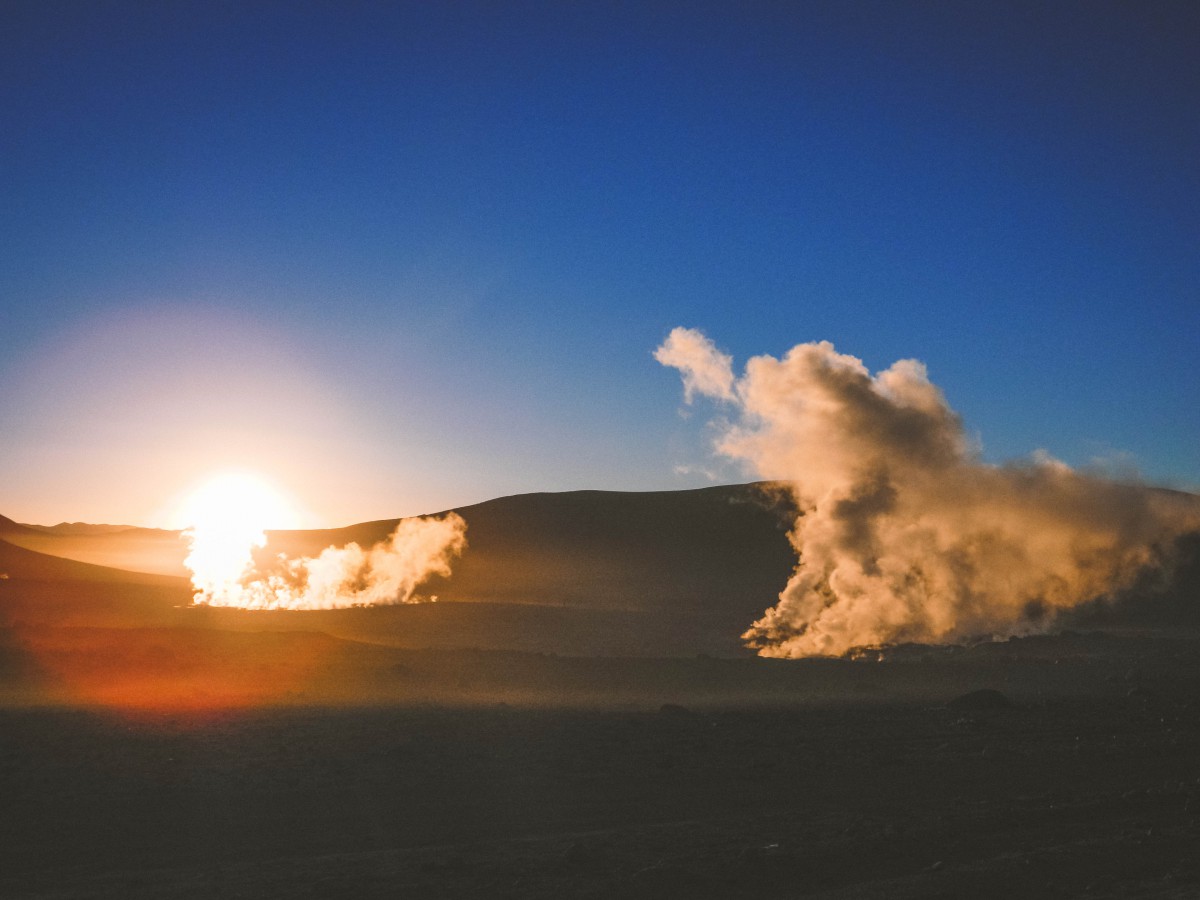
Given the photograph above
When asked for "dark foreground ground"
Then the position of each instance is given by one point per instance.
(1089, 788)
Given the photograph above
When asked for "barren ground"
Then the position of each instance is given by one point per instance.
(1083, 792)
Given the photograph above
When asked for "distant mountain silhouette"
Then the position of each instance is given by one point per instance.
(77, 528)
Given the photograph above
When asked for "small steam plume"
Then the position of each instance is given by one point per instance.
(224, 574)
(904, 534)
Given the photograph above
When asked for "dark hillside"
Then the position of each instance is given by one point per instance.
(714, 550)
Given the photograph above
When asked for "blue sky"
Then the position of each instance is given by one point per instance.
(401, 257)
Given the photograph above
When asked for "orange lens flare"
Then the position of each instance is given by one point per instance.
(172, 670)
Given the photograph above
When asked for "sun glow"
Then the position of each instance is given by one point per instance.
(227, 518)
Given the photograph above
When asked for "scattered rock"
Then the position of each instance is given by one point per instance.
(985, 698)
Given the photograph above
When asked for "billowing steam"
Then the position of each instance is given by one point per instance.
(904, 533)
(224, 574)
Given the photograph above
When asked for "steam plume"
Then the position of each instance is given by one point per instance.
(705, 369)
(904, 533)
(339, 577)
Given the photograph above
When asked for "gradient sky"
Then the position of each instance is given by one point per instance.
(400, 257)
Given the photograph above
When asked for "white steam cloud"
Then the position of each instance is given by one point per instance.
(339, 577)
(705, 369)
(904, 534)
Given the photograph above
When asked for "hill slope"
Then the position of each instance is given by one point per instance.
(585, 572)
(149, 550)
(581, 573)
(20, 563)
(689, 550)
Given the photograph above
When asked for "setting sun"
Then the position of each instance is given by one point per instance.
(226, 518)
(237, 502)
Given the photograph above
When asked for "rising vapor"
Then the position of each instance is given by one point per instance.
(904, 534)
(224, 574)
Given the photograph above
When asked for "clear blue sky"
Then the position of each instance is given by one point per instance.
(401, 257)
